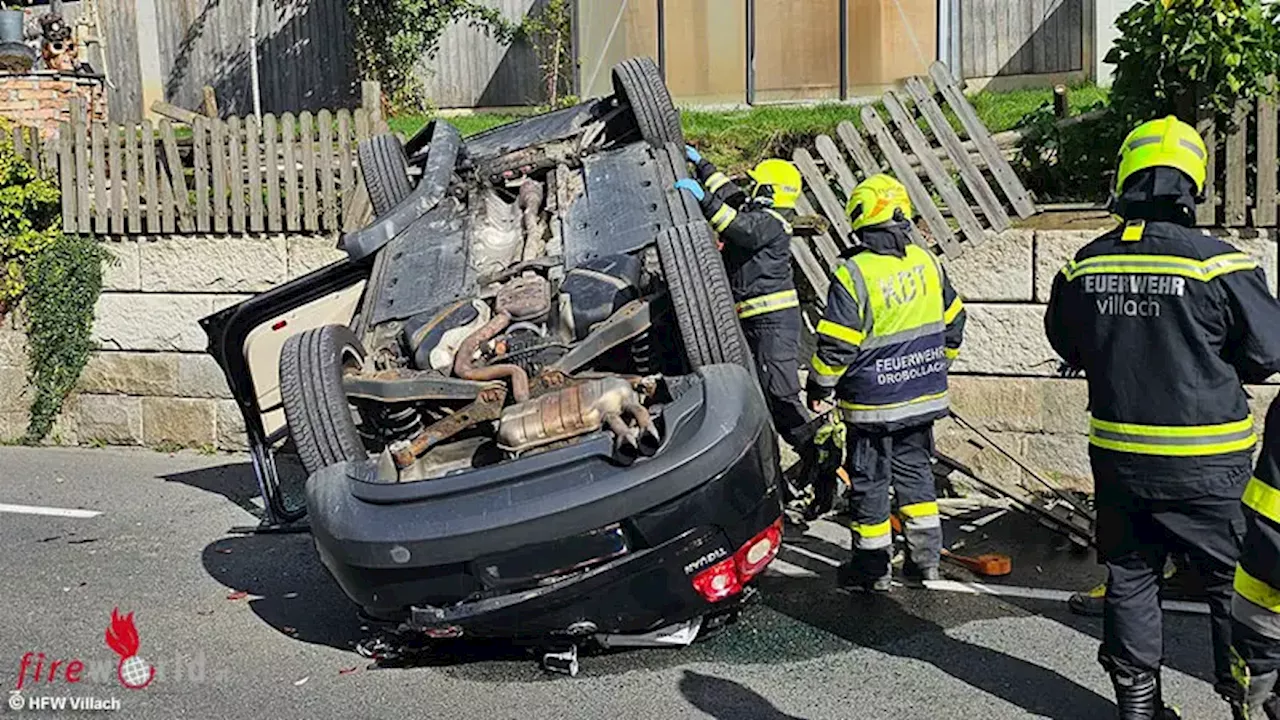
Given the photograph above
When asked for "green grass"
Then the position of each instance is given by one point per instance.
(737, 139)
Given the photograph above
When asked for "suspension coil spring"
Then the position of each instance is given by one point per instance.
(400, 422)
(642, 353)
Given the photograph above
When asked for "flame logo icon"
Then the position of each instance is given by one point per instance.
(122, 637)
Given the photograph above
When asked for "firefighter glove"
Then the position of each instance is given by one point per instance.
(692, 187)
(692, 153)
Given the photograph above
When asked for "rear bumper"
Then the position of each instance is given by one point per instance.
(432, 545)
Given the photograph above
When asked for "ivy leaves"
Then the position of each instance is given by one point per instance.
(392, 37)
(1171, 51)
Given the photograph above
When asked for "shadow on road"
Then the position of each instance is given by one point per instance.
(235, 481)
(885, 624)
(727, 700)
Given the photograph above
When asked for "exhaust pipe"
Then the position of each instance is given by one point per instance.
(463, 368)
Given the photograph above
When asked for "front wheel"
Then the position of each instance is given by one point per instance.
(320, 420)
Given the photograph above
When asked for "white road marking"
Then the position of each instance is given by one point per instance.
(811, 554)
(50, 511)
(1031, 593)
(782, 567)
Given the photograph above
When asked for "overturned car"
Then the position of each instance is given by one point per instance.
(523, 403)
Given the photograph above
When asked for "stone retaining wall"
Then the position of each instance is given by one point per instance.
(151, 383)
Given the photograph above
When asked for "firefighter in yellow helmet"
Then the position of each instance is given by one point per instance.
(891, 327)
(1166, 323)
(755, 226)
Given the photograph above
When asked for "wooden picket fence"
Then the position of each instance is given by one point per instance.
(286, 174)
(1242, 183)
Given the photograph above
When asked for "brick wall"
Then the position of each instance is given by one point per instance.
(43, 99)
(152, 384)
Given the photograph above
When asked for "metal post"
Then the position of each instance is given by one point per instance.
(662, 39)
(751, 52)
(575, 32)
(844, 50)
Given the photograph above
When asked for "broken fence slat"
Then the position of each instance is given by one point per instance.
(827, 200)
(978, 133)
(857, 149)
(149, 177)
(973, 178)
(812, 269)
(199, 144)
(951, 194)
(1265, 210)
(1237, 207)
(830, 155)
(174, 193)
(915, 189)
(826, 246)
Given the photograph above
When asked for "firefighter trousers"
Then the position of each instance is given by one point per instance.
(774, 339)
(901, 459)
(1134, 536)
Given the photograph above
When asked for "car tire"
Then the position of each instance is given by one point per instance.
(315, 405)
(700, 296)
(673, 166)
(638, 81)
(386, 172)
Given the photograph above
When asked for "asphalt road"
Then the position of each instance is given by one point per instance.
(161, 549)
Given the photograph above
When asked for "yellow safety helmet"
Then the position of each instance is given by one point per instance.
(876, 200)
(781, 177)
(1167, 142)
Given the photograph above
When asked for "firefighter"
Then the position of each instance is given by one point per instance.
(1166, 323)
(1255, 609)
(891, 328)
(756, 230)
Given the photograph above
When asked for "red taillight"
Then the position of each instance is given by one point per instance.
(727, 577)
(758, 552)
(718, 581)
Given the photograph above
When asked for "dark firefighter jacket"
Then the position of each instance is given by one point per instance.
(1166, 323)
(891, 328)
(1257, 583)
(757, 246)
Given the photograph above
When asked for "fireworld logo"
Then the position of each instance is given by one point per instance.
(134, 673)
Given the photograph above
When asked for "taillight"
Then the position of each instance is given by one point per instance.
(757, 552)
(718, 581)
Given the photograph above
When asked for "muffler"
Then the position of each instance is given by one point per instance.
(578, 410)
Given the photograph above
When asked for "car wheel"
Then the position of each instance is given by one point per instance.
(315, 406)
(639, 82)
(673, 166)
(386, 172)
(699, 288)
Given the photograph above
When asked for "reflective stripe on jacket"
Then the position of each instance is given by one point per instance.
(1257, 582)
(757, 245)
(1167, 324)
(891, 327)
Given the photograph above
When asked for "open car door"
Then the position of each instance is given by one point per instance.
(246, 341)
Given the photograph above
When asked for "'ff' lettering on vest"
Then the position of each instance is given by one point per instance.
(902, 287)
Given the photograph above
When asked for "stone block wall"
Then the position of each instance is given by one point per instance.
(150, 382)
(42, 99)
(1005, 379)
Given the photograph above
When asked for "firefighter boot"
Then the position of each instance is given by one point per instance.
(850, 577)
(1255, 693)
(1138, 696)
